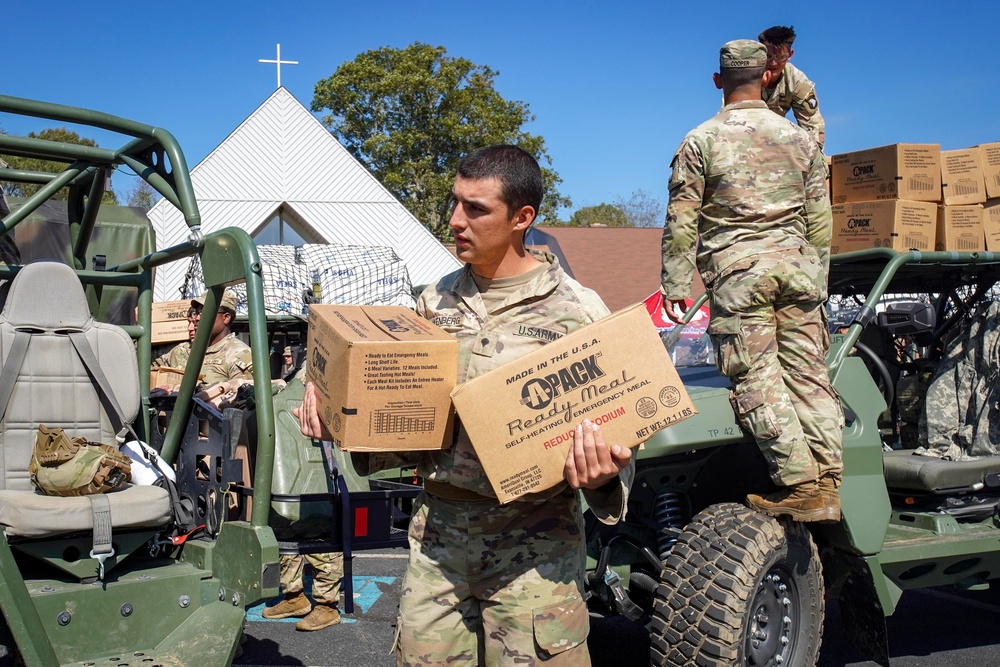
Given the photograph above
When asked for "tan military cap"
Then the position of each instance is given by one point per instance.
(229, 301)
(742, 53)
(288, 352)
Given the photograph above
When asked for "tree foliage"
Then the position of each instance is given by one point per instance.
(604, 215)
(141, 194)
(410, 114)
(62, 134)
(642, 209)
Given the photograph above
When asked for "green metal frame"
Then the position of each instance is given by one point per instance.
(239, 567)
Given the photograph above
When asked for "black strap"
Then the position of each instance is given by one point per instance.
(94, 368)
(12, 368)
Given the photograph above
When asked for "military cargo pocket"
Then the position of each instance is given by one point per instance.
(730, 348)
(756, 416)
(560, 627)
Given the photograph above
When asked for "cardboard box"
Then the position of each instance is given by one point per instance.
(383, 376)
(962, 177)
(899, 171)
(896, 224)
(989, 155)
(991, 224)
(960, 228)
(170, 323)
(614, 372)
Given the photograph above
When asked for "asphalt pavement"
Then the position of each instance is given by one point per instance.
(939, 627)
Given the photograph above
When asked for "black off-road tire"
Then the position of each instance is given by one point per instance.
(739, 588)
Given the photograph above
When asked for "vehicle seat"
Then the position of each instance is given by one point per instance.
(53, 387)
(906, 470)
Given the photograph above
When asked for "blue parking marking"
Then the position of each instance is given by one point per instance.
(366, 594)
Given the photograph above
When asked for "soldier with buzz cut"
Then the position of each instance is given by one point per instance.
(748, 206)
(492, 584)
(789, 88)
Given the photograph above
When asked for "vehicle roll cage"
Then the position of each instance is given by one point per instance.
(227, 256)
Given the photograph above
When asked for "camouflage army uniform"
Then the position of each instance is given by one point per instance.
(328, 570)
(516, 569)
(229, 359)
(750, 187)
(796, 92)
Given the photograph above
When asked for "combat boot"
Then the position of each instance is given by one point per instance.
(829, 488)
(322, 616)
(803, 502)
(295, 604)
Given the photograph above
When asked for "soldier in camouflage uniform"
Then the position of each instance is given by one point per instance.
(748, 204)
(328, 570)
(789, 88)
(227, 357)
(489, 584)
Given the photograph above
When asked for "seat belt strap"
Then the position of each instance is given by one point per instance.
(12, 368)
(102, 548)
(86, 353)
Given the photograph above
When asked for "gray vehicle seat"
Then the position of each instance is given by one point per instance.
(53, 387)
(906, 470)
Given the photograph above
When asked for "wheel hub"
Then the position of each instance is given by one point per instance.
(772, 628)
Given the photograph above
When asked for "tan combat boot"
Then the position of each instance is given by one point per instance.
(829, 486)
(803, 502)
(322, 616)
(296, 604)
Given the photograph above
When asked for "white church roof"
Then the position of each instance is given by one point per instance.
(282, 155)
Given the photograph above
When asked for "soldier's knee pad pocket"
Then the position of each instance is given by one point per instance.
(560, 627)
(730, 347)
(756, 415)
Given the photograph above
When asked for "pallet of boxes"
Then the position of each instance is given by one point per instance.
(916, 197)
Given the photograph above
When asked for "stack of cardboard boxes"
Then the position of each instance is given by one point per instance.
(916, 197)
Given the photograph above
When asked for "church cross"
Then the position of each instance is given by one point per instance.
(279, 62)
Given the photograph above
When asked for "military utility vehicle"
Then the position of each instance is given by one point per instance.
(167, 574)
(718, 584)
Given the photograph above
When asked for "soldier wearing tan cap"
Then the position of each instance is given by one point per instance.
(227, 357)
(748, 207)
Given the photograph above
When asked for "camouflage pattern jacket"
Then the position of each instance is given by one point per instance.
(960, 420)
(743, 183)
(796, 92)
(229, 359)
(548, 307)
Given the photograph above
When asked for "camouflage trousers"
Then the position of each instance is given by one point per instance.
(494, 585)
(328, 570)
(769, 329)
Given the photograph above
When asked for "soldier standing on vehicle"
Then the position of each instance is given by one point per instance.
(227, 357)
(488, 583)
(748, 204)
(789, 87)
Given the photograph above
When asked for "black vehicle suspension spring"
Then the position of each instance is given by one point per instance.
(669, 516)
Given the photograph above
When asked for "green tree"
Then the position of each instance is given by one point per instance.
(642, 209)
(606, 215)
(410, 114)
(62, 134)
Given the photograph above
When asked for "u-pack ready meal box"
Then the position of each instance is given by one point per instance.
(962, 180)
(896, 224)
(170, 321)
(520, 416)
(383, 376)
(899, 171)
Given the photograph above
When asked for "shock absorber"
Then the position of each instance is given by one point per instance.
(669, 515)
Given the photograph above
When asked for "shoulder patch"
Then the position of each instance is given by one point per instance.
(812, 102)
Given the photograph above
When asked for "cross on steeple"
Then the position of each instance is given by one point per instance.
(279, 62)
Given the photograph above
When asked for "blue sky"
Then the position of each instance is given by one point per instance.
(613, 86)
